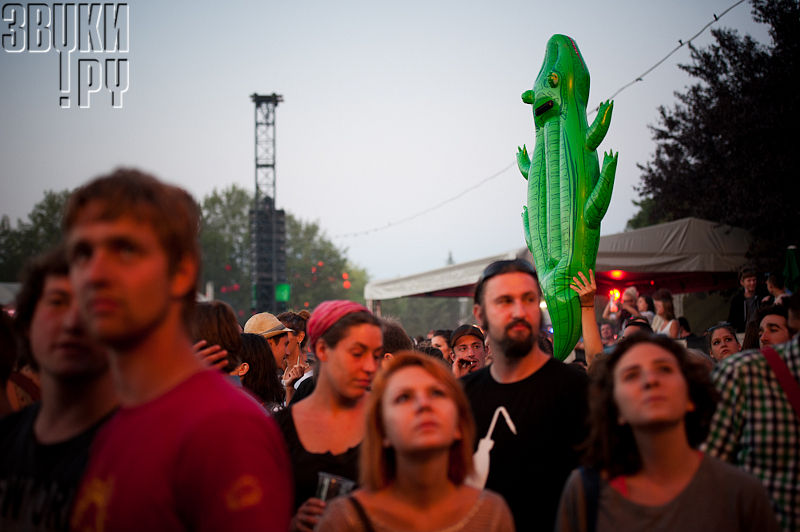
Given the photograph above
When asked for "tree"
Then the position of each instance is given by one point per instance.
(725, 151)
(225, 245)
(39, 233)
(317, 269)
(418, 315)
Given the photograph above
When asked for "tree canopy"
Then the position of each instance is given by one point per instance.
(725, 151)
(31, 237)
(316, 268)
(225, 245)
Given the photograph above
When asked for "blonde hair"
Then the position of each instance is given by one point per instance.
(378, 464)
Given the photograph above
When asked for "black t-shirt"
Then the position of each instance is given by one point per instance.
(37, 481)
(306, 465)
(529, 469)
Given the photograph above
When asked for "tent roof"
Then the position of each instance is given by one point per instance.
(433, 282)
(684, 256)
(685, 245)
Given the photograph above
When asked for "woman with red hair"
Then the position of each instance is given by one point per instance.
(416, 454)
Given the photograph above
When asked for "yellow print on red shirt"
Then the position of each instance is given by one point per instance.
(244, 492)
(93, 499)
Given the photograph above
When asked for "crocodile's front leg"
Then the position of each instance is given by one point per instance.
(599, 199)
(599, 128)
(523, 161)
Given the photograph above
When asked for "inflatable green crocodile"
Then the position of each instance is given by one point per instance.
(568, 194)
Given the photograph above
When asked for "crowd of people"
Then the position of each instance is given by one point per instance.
(130, 405)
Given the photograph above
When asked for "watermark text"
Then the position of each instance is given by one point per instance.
(91, 40)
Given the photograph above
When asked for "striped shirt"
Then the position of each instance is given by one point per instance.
(756, 428)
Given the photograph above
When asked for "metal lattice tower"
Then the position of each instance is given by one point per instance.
(268, 225)
(265, 144)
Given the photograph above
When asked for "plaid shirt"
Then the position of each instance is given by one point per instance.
(756, 428)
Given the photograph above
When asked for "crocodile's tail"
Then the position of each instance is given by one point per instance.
(564, 308)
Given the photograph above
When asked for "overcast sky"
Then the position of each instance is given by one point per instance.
(389, 109)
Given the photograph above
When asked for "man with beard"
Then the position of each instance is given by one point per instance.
(530, 409)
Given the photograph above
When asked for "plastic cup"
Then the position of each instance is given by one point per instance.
(330, 486)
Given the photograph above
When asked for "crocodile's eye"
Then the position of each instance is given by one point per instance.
(552, 79)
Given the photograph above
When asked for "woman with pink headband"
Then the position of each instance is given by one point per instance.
(324, 431)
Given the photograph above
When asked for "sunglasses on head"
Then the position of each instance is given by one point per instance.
(505, 265)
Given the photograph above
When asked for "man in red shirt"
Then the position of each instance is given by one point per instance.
(187, 451)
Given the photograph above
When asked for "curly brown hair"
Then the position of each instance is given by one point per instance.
(611, 447)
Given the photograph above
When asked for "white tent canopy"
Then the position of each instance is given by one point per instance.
(465, 273)
(688, 245)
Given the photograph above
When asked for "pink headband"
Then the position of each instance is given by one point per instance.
(326, 315)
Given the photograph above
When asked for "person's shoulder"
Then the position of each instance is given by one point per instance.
(235, 424)
(493, 498)
(727, 476)
(739, 362)
(737, 297)
(481, 376)
(790, 349)
(492, 502)
(20, 417)
(492, 513)
(209, 402)
(19, 424)
(216, 393)
(568, 373)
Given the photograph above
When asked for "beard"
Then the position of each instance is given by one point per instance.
(512, 348)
